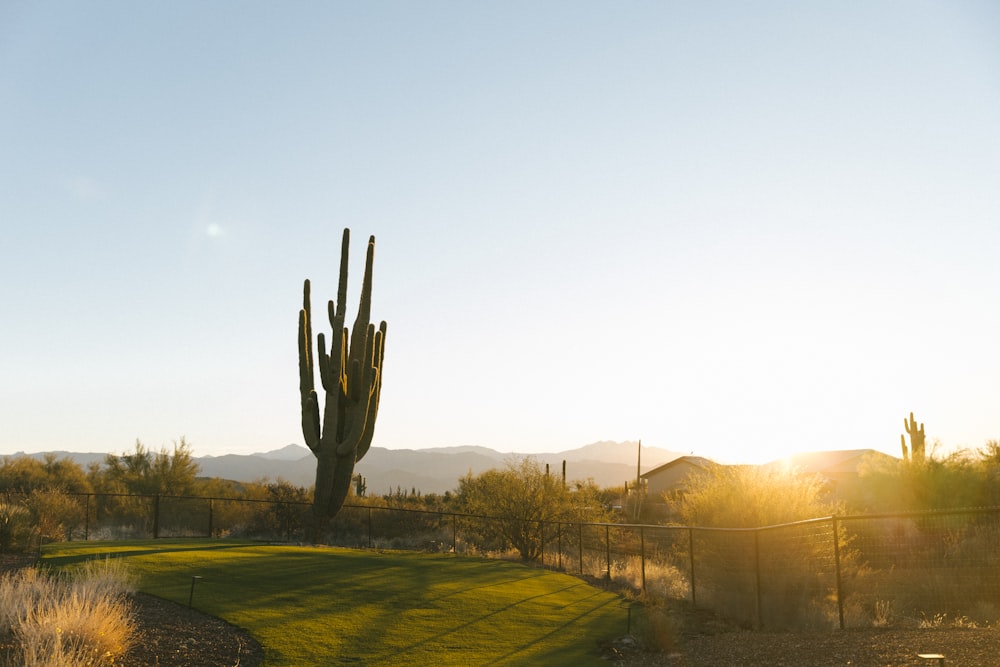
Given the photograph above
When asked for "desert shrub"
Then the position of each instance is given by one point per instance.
(265, 510)
(965, 478)
(663, 580)
(182, 517)
(234, 517)
(753, 496)
(56, 515)
(422, 530)
(290, 508)
(926, 564)
(14, 524)
(124, 516)
(958, 480)
(81, 618)
(518, 499)
(797, 581)
(790, 570)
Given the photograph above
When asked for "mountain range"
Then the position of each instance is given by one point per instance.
(432, 470)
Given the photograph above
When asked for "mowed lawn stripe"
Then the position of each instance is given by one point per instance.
(324, 606)
(494, 618)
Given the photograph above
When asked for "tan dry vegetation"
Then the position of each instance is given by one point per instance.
(81, 618)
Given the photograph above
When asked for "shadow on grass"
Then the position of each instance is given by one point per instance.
(479, 619)
(544, 658)
(426, 607)
(214, 545)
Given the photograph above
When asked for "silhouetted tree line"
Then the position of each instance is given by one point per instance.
(41, 497)
(35, 495)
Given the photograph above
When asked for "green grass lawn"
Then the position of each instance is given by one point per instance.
(325, 606)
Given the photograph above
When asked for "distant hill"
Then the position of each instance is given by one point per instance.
(286, 453)
(617, 452)
(432, 470)
(83, 458)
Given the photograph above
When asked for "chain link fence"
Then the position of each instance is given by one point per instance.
(831, 572)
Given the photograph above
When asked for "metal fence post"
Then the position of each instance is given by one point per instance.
(541, 542)
(454, 534)
(369, 527)
(283, 506)
(559, 542)
(642, 556)
(694, 597)
(211, 512)
(836, 562)
(607, 548)
(580, 545)
(86, 519)
(156, 516)
(756, 567)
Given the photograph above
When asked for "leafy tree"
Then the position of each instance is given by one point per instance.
(990, 453)
(25, 474)
(21, 474)
(65, 474)
(143, 471)
(520, 497)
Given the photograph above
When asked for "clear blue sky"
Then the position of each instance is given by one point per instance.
(738, 229)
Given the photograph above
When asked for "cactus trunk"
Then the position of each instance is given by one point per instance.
(351, 376)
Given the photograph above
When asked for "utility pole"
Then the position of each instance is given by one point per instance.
(638, 479)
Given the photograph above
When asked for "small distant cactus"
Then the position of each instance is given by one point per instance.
(360, 486)
(351, 375)
(917, 451)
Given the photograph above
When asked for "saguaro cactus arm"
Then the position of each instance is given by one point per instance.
(917, 439)
(307, 390)
(351, 375)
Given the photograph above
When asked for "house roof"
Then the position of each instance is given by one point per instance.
(697, 461)
(831, 461)
(823, 462)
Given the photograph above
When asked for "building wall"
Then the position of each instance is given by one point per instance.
(671, 479)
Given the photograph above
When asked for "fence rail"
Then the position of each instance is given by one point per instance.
(829, 572)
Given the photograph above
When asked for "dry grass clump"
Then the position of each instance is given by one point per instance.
(663, 580)
(78, 619)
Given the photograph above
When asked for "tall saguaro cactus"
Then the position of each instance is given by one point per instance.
(916, 453)
(351, 375)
